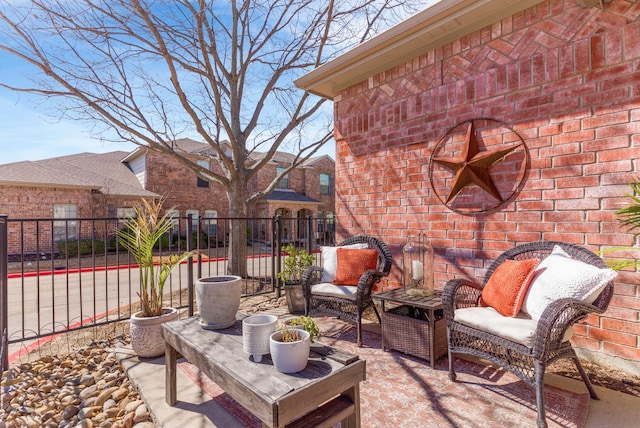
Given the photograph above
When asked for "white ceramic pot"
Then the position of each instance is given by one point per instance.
(256, 331)
(146, 337)
(290, 357)
(218, 300)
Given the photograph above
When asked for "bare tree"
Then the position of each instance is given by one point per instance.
(148, 72)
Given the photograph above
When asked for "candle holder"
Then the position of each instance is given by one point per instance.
(417, 260)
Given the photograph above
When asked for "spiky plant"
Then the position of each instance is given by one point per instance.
(139, 237)
(630, 217)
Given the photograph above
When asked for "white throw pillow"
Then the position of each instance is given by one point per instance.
(559, 276)
(330, 260)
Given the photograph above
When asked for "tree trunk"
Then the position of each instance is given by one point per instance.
(238, 212)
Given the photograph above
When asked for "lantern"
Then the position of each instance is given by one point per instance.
(417, 261)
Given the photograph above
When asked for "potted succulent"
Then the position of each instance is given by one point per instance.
(139, 237)
(295, 263)
(290, 345)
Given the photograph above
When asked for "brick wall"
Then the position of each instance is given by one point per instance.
(564, 78)
(26, 202)
(165, 175)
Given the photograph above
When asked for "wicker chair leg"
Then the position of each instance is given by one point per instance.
(542, 419)
(359, 328)
(585, 378)
(375, 309)
(452, 370)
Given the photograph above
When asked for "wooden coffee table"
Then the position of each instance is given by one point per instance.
(326, 392)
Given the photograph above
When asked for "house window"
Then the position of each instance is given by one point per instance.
(284, 180)
(326, 184)
(64, 230)
(195, 216)
(320, 221)
(211, 222)
(331, 227)
(205, 164)
(125, 213)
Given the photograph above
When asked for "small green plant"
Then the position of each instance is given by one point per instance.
(294, 264)
(629, 216)
(289, 334)
(308, 323)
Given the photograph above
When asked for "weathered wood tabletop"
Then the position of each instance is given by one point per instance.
(331, 377)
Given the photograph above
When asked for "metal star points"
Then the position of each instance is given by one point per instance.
(473, 166)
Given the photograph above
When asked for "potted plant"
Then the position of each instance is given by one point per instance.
(289, 347)
(308, 324)
(295, 263)
(139, 237)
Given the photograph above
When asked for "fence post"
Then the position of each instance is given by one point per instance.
(277, 239)
(309, 234)
(190, 284)
(4, 285)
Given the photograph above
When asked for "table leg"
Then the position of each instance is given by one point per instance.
(384, 348)
(353, 420)
(170, 357)
(432, 336)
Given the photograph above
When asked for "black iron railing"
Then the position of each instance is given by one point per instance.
(59, 275)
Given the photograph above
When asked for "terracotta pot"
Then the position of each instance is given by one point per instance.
(218, 300)
(290, 357)
(146, 337)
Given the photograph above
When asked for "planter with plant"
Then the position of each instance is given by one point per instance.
(294, 264)
(139, 237)
(289, 347)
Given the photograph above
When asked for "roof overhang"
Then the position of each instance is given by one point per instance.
(434, 27)
(22, 183)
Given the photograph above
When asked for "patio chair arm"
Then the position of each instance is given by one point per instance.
(367, 280)
(310, 276)
(459, 293)
(555, 320)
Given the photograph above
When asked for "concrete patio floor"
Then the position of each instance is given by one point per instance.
(197, 409)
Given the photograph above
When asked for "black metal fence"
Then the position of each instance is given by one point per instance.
(60, 275)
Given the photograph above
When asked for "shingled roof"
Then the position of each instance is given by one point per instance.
(290, 196)
(103, 172)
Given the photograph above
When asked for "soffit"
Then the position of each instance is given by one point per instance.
(434, 27)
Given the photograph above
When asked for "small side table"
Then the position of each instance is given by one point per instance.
(414, 325)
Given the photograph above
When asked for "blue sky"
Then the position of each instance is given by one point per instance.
(29, 132)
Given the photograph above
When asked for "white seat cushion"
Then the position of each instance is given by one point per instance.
(520, 329)
(332, 290)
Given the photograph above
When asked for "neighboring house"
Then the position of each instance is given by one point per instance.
(554, 82)
(107, 186)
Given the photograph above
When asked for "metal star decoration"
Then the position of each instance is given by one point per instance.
(473, 166)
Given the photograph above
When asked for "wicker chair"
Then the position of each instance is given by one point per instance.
(353, 306)
(549, 342)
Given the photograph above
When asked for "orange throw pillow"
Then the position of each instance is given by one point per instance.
(508, 285)
(352, 263)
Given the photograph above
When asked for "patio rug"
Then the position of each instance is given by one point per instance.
(403, 391)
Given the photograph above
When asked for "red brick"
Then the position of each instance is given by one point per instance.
(628, 352)
(613, 337)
